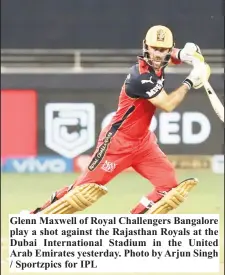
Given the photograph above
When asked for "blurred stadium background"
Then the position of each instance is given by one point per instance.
(63, 64)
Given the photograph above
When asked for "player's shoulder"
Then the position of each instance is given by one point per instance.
(142, 81)
(141, 71)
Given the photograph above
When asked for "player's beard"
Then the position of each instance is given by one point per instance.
(156, 64)
(158, 61)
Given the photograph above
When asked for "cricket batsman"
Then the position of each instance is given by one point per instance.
(127, 140)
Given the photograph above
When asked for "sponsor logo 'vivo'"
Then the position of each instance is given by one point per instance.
(38, 165)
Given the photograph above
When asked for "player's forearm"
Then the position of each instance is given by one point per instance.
(176, 97)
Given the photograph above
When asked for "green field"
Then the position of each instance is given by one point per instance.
(27, 191)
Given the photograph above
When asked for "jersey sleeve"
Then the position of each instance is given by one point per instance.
(145, 86)
(175, 60)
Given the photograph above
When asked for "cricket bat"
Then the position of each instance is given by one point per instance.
(214, 100)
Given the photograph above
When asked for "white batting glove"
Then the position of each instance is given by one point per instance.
(194, 80)
(190, 53)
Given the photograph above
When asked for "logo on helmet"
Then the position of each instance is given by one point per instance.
(160, 35)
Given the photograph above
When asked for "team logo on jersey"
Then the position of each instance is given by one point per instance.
(70, 128)
(108, 166)
(161, 35)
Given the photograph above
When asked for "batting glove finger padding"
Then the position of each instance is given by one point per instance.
(190, 53)
(199, 72)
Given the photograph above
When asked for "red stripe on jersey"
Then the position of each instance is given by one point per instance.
(143, 66)
(136, 124)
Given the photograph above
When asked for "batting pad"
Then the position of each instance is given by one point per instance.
(173, 198)
(77, 199)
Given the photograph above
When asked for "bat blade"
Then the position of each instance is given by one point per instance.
(214, 100)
